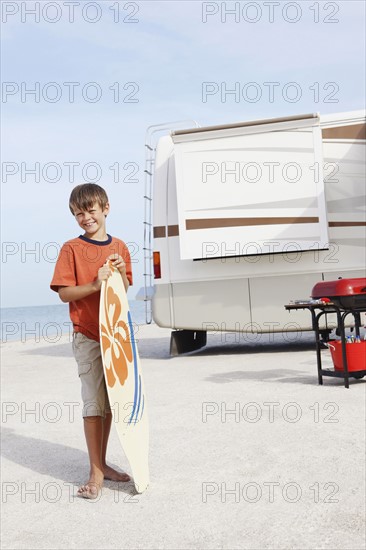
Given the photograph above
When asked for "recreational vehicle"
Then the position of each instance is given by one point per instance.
(240, 219)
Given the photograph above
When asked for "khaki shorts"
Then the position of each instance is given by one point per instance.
(90, 369)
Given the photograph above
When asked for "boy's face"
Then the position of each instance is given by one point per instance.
(92, 221)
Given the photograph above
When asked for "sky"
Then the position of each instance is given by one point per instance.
(102, 72)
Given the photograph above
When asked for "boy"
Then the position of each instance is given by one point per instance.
(80, 269)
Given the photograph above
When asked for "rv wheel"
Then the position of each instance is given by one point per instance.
(182, 341)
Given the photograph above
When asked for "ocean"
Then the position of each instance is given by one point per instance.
(47, 323)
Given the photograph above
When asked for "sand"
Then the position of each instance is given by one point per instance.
(247, 451)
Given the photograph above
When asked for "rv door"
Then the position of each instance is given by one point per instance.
(259, 182)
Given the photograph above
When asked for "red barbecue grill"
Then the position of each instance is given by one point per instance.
(342, 297)
(347, 294)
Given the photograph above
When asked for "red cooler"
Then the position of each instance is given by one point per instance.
(356, 355)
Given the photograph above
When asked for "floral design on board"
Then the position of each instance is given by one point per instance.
(115, 340)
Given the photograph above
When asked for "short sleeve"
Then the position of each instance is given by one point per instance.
(64, 274)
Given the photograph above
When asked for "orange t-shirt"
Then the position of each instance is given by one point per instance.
(78, 264)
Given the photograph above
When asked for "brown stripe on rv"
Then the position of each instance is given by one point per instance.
(173, 230)
(235, 222)
(354, 131)
(347, 224)
(159, 231)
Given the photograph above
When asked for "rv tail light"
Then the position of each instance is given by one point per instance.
(157, 270)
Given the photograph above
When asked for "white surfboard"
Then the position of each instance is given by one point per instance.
(122, 371)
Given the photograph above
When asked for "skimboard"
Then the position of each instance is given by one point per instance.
(123, 377)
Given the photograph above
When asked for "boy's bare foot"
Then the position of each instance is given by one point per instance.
(112, 474)
(92, 488)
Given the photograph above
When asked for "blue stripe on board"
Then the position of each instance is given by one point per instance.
(143, 405)
(139, 403)
(134, 366)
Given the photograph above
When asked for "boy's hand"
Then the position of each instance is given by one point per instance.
(118, 262)
(103, 273)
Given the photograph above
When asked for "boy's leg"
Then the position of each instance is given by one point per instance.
(97, 431)
(96, 427)
(109, 472)
(87, 355)
(93, 429)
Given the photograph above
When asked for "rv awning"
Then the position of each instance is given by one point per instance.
(245, 187)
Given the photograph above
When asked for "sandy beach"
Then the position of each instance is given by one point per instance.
(247, 451)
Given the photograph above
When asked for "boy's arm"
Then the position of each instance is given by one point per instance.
(73, 293)
(126, 282)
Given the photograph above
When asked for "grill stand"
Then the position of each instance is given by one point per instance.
(341, 317)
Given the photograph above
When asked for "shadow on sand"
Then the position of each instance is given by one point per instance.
(53, 459)
(149, 348)
(284, 376)
(225, 345)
